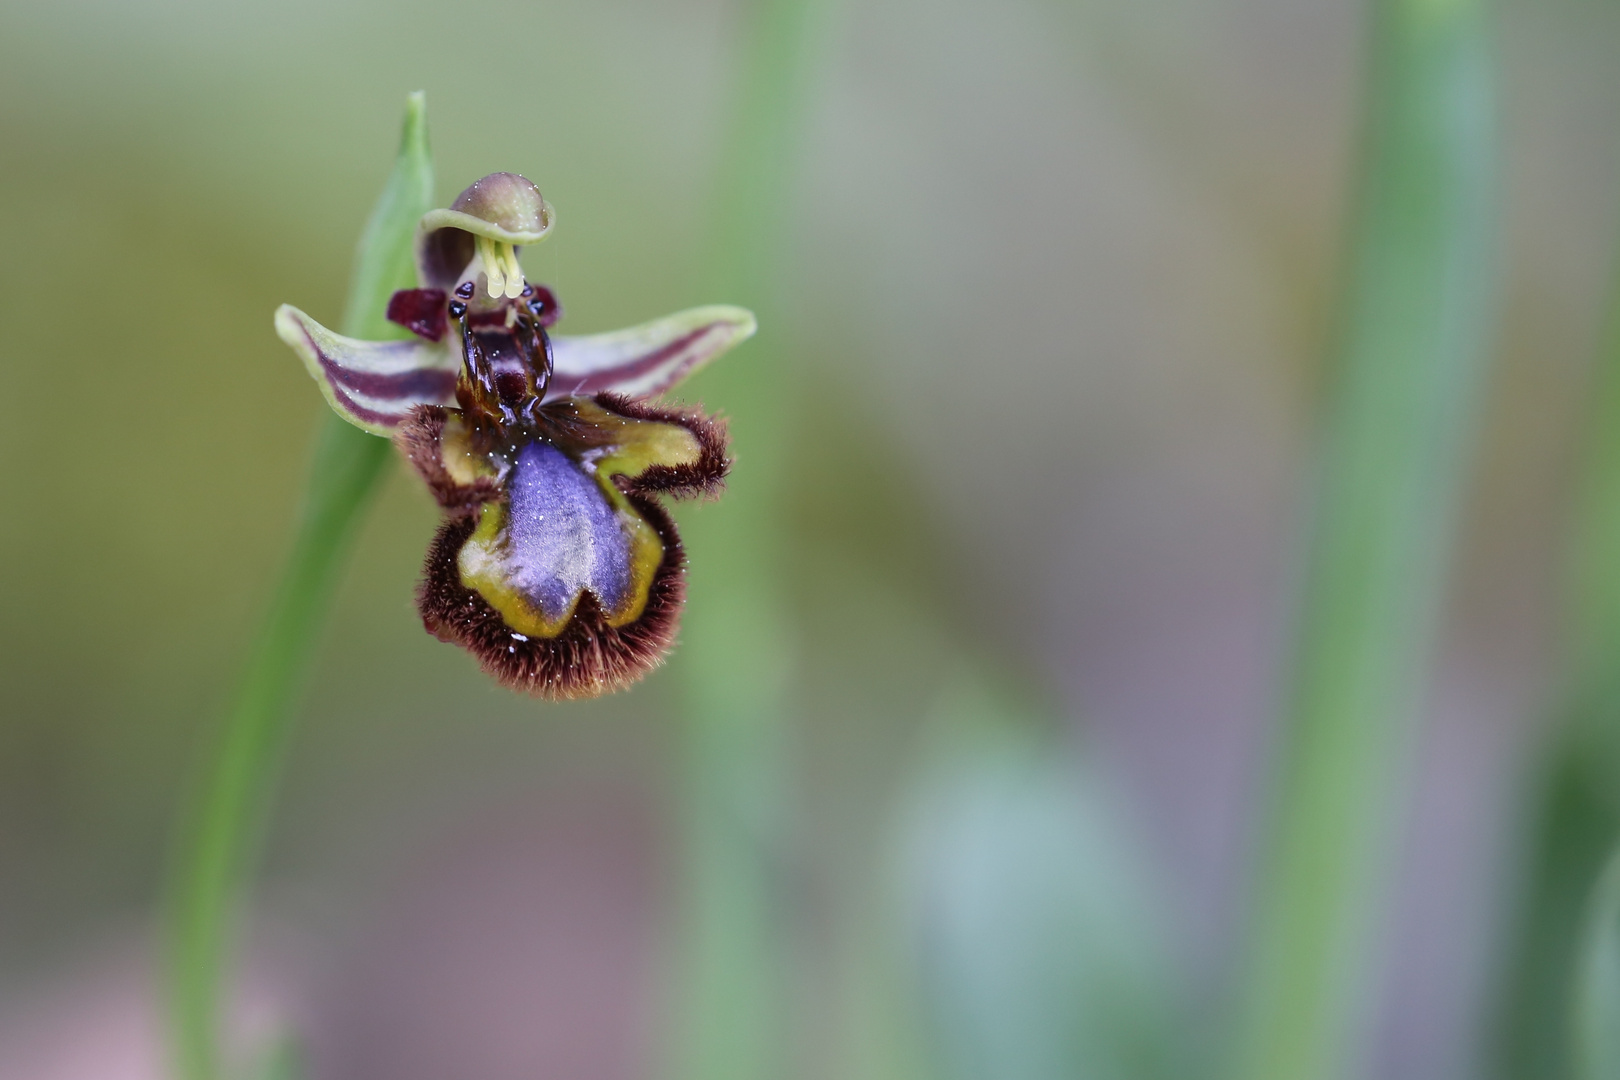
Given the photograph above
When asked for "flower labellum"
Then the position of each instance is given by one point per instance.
(556, 565)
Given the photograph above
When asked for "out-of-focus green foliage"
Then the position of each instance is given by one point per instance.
(1418, 318)
(1594, 1016)
(1575, 796)
(1043, 946)
(732, 1018)
(174, 169)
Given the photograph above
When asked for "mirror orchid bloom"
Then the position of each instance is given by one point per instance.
(556, 565)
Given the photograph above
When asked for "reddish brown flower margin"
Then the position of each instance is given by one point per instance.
(590, 657)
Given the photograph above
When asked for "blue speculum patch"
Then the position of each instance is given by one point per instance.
(563, 534)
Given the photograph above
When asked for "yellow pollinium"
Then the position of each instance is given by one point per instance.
(505, 276)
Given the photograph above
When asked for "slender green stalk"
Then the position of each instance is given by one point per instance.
(735, 649)
(224, 817)
(1414, 339)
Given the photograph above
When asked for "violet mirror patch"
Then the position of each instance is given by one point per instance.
(563, 534)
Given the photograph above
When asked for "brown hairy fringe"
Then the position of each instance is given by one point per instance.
(706, 476)
(417, 437)
(589, 657)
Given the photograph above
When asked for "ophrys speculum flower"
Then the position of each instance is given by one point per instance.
(556, 565)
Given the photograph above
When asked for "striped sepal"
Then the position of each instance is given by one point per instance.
(646, 359)
(372, 384)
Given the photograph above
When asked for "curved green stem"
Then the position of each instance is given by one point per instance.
(224, 817)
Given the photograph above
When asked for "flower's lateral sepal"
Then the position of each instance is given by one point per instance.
(645, 360)
(373, 385)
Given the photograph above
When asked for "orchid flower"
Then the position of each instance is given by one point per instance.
(555, 566)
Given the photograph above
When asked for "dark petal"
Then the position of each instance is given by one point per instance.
(420, 437)
(421, 311)
(704, 476)
(589, 657)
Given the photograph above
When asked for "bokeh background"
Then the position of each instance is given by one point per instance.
(1055, 288)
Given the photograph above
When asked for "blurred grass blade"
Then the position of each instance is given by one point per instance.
(1041, 937)
(735, 655)
(1595, 1019)
(223, 817)
(1416, 327)
(1576, 801)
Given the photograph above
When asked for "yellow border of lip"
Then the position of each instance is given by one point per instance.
(481, 562)
(482, 566)
(434, 220)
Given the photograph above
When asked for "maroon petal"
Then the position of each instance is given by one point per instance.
(421, 311)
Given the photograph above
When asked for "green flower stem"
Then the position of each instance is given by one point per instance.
(225, 816)
(735, 650)
(1415, 336)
